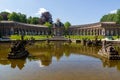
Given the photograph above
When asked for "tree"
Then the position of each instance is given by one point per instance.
(109, 17)
(1, 18)
(49, 25)
(29, 20)
(115, 17)
(22, 18)
(14, 17)
(17, 17)
(118, 16)
(66, 25)
(104, 18)
(35, 20)
(4, 15)
(46, 17)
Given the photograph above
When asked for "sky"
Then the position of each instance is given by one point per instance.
(75, 11)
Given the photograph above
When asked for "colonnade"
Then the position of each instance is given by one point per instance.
(86, 31)
(112, 31)
(10, 28)
(109, 31)
(7, 29)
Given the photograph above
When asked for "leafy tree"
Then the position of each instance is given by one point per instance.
(22, 18)
(109, 17)
(17, 17)
(115, 17)
(4, 15)
(104, 18)
(14, 17)
(46, 17)
(34, 20)
(29, 20)
(118, 16)
(1, 18)
(67, 25)
(49, 25)
(41, 21)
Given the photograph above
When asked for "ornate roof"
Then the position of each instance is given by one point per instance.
(58, 23)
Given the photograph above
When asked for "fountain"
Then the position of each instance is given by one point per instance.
(18, 50)
(108, 51)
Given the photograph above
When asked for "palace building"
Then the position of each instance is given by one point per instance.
(100, 28)
(58, 28)
(8, 28)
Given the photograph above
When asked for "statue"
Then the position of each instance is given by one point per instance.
(108, 51)
(18, 49)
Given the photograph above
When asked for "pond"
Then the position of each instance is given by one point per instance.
(58, 61)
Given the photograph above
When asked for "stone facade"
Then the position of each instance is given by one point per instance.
(8, 28)
(101, 28)
(58, 28)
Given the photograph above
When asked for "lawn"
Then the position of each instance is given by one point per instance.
(28, 37)
(84, 37)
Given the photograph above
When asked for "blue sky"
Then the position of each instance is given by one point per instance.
(75, 11)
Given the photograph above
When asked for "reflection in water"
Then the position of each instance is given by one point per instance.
(40, 64)
(17, 63)
(45, 53)
(110, 63)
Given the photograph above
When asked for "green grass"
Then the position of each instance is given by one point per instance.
(27, 37)
(38, 37)
(116, 37)
(84, 37)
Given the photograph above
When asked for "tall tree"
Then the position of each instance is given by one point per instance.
(109, 17)
(104, 18)
(29, 20)
(115, 17)
(46, 17)
(67, 25)
(4, 15)
(22, 18)
(49, 25)
(35, 20)
(118, 16)
(17, 17)
(14, 17)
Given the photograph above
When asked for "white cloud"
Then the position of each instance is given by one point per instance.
(114, 11)
(7, 10)
(40, 11)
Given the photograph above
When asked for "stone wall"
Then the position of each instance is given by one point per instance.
(103, 28)
(8, 28)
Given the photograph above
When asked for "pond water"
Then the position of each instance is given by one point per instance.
(58, 61)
